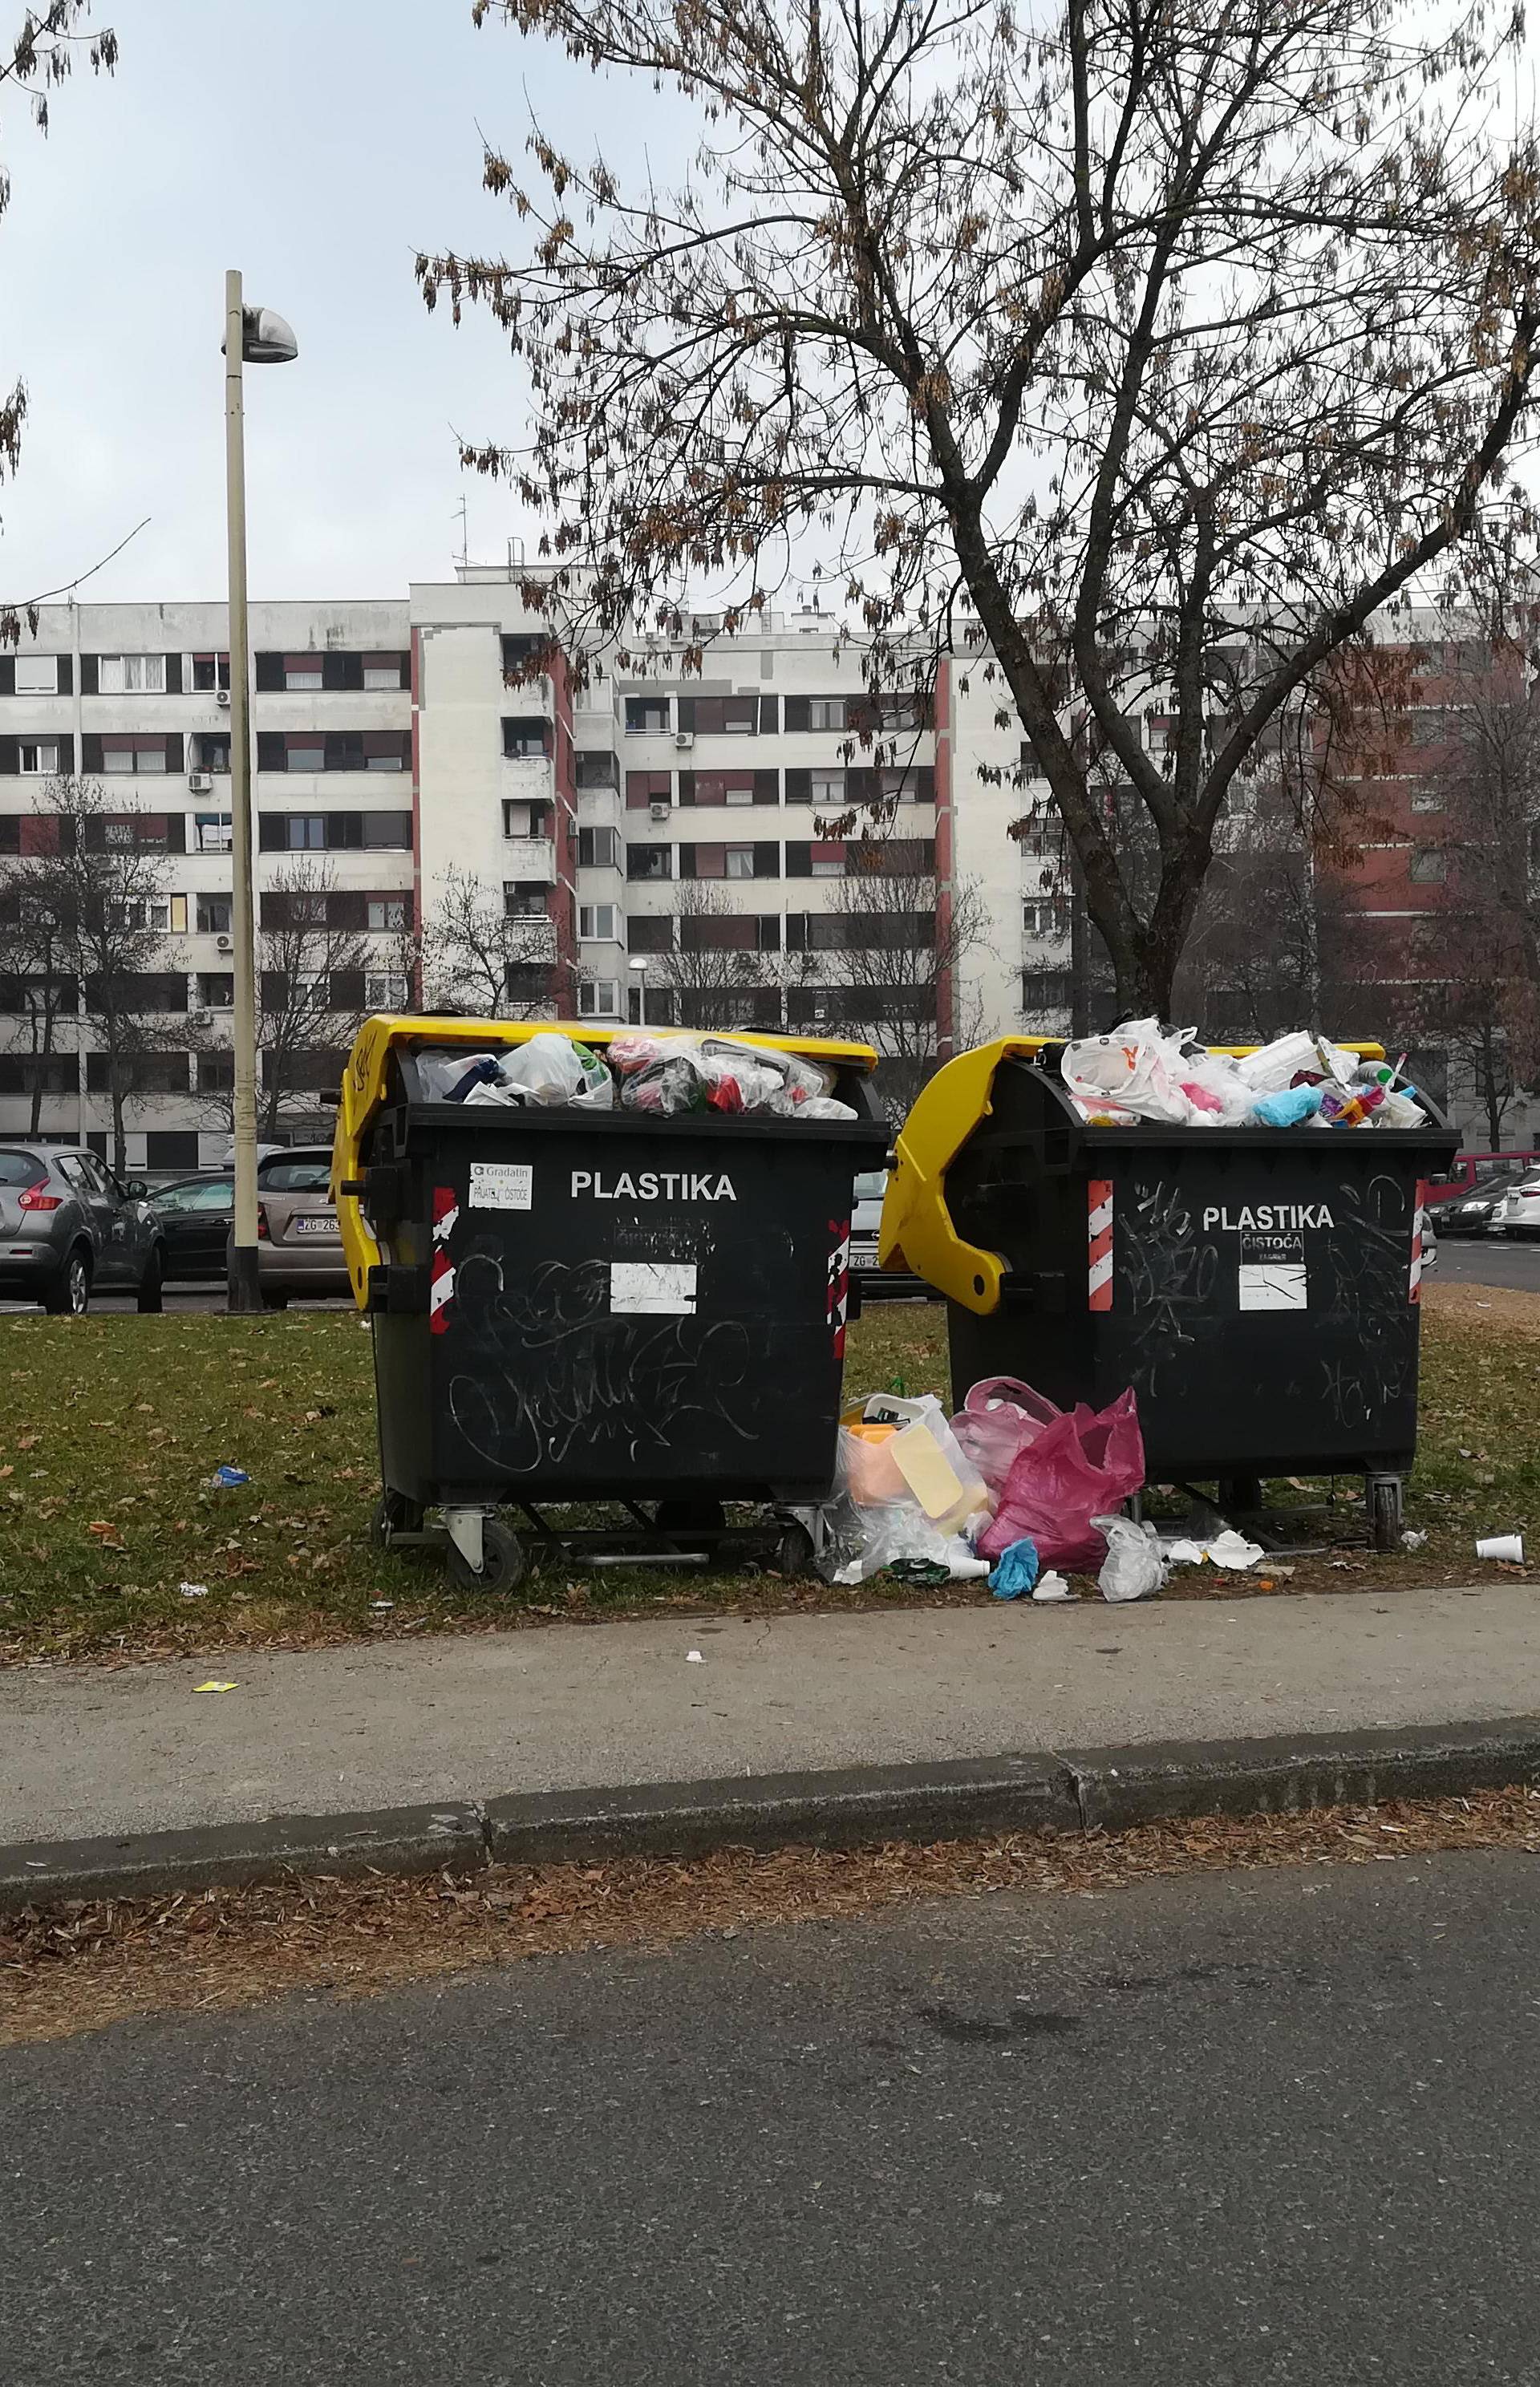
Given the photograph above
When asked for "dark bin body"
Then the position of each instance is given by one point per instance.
(615, 1305)
(1264, 1284)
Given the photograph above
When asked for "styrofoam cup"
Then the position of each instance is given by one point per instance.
(1508, 1547)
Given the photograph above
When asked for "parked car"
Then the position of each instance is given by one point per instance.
(1518, 1212)
(195, 1215)
(70, 1228)
(865, 1218)
(1472, 1175)
(298, 1241)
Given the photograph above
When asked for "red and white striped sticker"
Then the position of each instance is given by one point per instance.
(1099, 1249)
(1415, 1289)
(441, 1286)
(837, 1299)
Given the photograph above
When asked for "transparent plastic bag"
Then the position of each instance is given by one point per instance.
(1133, 1568)
(1001, 1418)
(1083, 1465)
(551, 1070)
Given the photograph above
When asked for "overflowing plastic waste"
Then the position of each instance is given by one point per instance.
(671, 1074)
(1143, 1072)
(1082, 1466)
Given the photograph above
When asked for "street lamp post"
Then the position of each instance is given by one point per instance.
(638, 963)
(252, 336)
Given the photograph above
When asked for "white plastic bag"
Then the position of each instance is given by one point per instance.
(1134, 1068)
(1133, 1568)
(551, 1070)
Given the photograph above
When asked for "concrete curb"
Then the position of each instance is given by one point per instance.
(1064, 1791)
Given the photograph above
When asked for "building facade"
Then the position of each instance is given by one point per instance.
(746, 843)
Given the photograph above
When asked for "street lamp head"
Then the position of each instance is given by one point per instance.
(638, 961)
(266, 338)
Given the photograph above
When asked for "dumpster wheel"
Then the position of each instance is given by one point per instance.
(394, 1514)
(504, 1560)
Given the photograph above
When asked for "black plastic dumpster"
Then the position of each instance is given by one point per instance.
(594, 1305)
(1257, 1287)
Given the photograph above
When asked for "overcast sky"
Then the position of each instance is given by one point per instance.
(317, 145)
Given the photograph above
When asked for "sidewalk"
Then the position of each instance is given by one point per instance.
(462, 1722)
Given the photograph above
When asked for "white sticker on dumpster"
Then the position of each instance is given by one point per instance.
(502, 1185)
(1273, 1284)
(652, 1288)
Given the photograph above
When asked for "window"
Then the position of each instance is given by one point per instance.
(719, 716)
(303, 673)
(306, 909)
(828, 789)
(526, 737)
(649, 862)
(1041, 919)
(304, 753)
(37, 674)
(738, 861)
(597, 849)
(597, 769)
(526, 899)
(131, 675)
(304, 832)
(211, 672)
(599, 998)
(386, 670)
(824, 713)
(1424, 799)
(647, 717)
(387, 913)
(212, 749)
(216, 1072)
(384, 991)
(649, 936)
(128, 756)
(1429, 867)
(520, 649)
(525, 820)
(644, 788)
(166, 915)
(38, 757)
(50, 1073)
(386, 831)
(597, 920)
(1046, 991)
(211, 832)
(216, 991)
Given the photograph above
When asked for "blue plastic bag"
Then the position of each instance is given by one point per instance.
(1014, 1570)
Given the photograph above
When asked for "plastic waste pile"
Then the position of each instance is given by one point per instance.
(671, 1075)
(1012, 1486)
(1142, 1072)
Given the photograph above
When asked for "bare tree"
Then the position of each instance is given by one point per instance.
(38, 959)
(896, 954)
(312, 964)
(1168, 335)
(477, 956)
(710, 977)
(34, 62)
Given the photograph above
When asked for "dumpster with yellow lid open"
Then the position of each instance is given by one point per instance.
(596, 1304)
(1257, 1287)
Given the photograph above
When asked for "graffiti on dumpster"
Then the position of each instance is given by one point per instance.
(1367, 1249)
(1166, 1268)
(541, 1370)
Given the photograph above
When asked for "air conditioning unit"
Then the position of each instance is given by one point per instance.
(199, 1019)
(684, 739)
(660, 807)
(221, 698)
(225, 944)
(201, 782)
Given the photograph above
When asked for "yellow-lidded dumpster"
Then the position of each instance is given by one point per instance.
(594, 1304)
(1257, 1287)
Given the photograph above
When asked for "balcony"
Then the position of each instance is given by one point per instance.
(530, 857)
(531, 938)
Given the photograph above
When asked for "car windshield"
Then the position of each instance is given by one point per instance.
(299, 1172)
(21, 1169)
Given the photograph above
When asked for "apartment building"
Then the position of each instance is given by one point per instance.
(658, 844)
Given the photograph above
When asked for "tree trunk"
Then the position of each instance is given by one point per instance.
(1491, 1093)
(119, 1133)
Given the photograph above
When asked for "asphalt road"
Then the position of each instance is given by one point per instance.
(1270, 2126)
(1488, 1259)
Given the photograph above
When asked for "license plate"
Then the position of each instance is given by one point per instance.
(313, 1227)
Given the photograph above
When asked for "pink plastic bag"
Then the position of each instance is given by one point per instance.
(1080, 1466)
(1001, 1418)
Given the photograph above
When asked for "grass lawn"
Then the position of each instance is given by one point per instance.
(114, 1425)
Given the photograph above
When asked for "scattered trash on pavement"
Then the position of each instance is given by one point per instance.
(1133, 1568)
(1507, 1548)
(194, 1590)
(1082, 1465)
(694, 1658)
(214, 1687)
(1227, 1548)
(1410, 1540)
(228, 1479)
(1015, 1569)
(379, 1606)
(1049, 1588)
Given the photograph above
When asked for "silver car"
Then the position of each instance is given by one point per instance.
(298, 1241)
(70, 1228)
